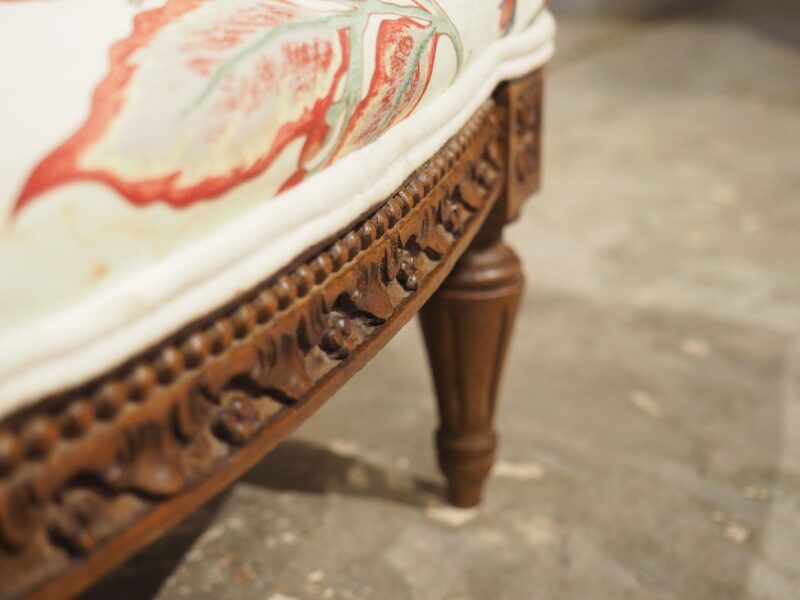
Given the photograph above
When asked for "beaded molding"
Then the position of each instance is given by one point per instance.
(80, 467)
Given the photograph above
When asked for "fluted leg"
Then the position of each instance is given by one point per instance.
(467, 326)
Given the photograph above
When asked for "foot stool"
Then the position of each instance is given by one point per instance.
(212, 214)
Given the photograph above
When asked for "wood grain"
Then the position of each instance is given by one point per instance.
(467, 326)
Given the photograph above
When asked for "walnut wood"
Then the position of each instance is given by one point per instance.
(467, 326)
(520, 101)
(93, 474)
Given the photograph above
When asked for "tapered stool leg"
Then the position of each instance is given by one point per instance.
(467, 326)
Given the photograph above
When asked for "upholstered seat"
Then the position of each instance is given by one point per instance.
(159, 157)
(212, 214)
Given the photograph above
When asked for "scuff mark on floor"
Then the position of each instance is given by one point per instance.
(523, 471)
(646, 403)
(451, 516)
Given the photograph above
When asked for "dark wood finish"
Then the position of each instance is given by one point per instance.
(92, 475)
(520, 101)
(467, 326)
(468, 322)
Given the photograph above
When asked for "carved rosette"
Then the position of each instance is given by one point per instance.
(79, 468)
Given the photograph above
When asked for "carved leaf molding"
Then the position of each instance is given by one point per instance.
(81, 467)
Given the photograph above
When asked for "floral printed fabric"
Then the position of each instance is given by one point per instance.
(132, 129)
(205, 94)
(157, 157)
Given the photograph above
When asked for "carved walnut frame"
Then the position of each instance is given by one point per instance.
(92, 475)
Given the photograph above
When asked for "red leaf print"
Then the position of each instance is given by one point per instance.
(507, 11)
(135, 139)
(205, 95)
(403, 68)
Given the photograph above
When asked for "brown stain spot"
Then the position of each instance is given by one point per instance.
(99, 271)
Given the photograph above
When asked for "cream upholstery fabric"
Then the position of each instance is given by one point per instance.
(158, 157)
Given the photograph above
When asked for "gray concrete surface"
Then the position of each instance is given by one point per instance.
(651, 411)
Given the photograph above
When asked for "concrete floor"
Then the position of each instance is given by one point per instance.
(651, 410)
